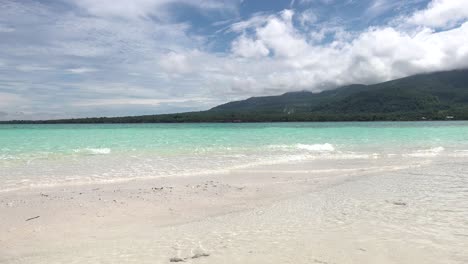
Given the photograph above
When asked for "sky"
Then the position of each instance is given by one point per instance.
(84, 58)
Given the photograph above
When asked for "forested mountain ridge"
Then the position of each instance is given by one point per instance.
(420, 93)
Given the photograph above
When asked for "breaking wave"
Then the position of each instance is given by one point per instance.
(317, 147)
(327, 147)
(93, 151)
(432, 152)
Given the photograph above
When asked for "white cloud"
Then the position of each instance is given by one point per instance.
(377, 54)
(325, 2)
(256, 20)
(275, 33)
(279, 35)
(307, 17)
(30, 68)
(379, 7)
(175, 63)
(441, 13)
(142, 101)
(129, 9)
(81, 70)
(249, 48)
(144, 8)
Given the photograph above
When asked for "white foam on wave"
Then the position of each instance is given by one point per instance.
(432, 152)
(323, 151)
(201, 164)
(327, 147)
(283, 147)
(348, 155)
(99, 150)
(7, 157)
(94, 151)
(317, 147)
(459, 154)
(145, 172)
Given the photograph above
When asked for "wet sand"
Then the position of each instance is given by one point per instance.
(314, 212)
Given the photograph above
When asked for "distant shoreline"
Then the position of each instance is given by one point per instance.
(84, 121)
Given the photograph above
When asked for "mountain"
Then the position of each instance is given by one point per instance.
(432, 96)
(425, 93)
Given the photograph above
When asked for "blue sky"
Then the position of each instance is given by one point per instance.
(78, 58)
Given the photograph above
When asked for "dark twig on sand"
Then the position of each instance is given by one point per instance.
(32, 218)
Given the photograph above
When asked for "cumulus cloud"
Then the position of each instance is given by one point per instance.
(377, 54)
(441, 13)
(276, 33)
(246, 47)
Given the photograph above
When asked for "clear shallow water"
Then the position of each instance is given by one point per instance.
(49, 155)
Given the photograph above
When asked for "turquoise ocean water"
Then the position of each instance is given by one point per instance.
(50, 155)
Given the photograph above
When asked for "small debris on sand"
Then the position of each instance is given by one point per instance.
(200, 255)
(32, 218)
(176, 260)
(400, 203)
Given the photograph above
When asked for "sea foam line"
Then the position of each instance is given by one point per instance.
(93, 151)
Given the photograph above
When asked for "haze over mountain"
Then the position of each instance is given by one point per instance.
(434, 96)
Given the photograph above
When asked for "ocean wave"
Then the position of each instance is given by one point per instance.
(150, 169)
(317, 147)
(93, 151)
(338, 155)
(7, 157)
(432, 152)
(326, 147)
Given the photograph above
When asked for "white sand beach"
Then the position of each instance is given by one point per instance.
(310, 212)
